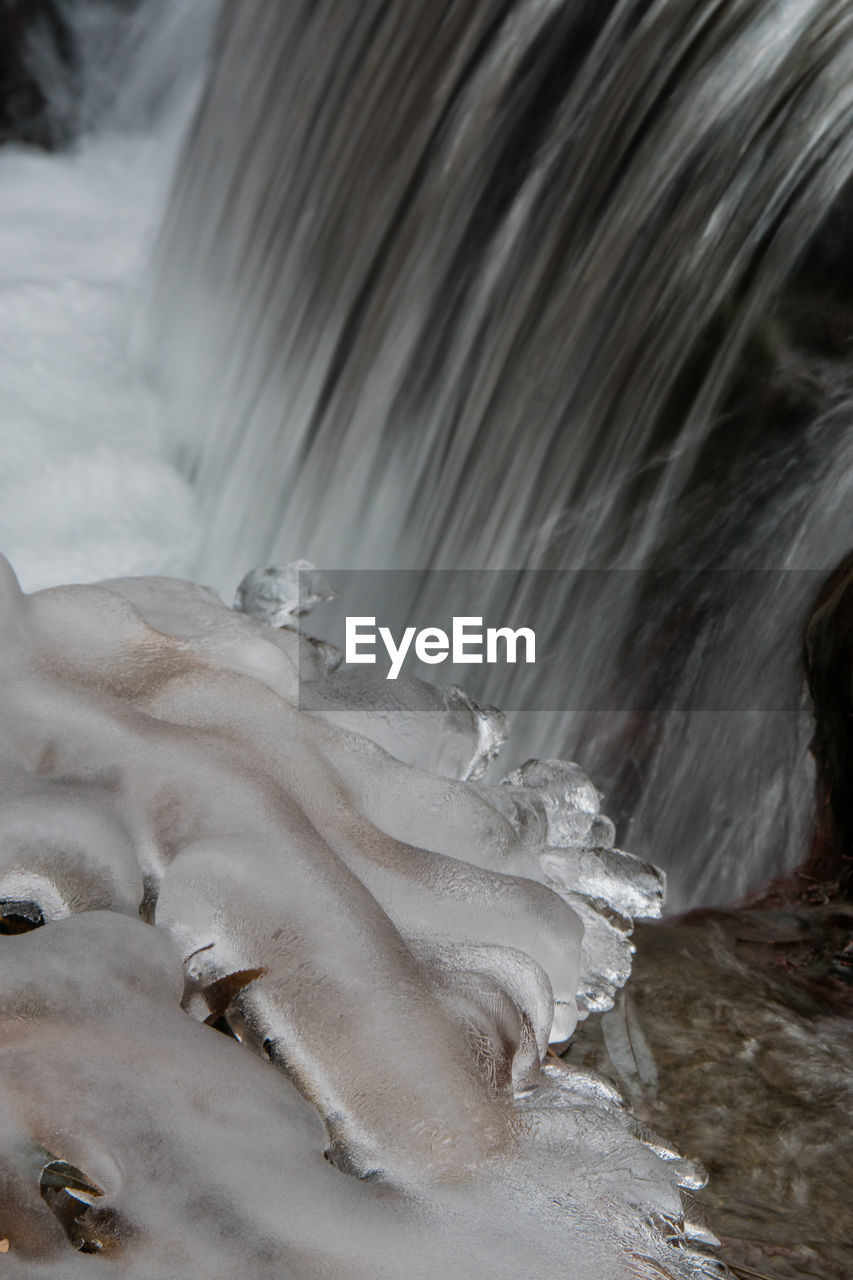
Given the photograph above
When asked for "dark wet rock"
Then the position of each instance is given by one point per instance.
(734, 1038)
(828, 658)
(63, 65)
(34, 35)
(826, 873)
(23, 110)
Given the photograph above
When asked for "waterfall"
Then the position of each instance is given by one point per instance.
(522, 285)
(534, 310)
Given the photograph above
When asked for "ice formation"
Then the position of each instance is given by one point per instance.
(392, 950)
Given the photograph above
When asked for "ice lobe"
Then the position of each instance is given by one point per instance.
(564, 840)
(400, 944)
(279, 594)
(439, 729)
(210, 1163)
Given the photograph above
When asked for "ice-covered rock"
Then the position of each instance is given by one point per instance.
(386, 939)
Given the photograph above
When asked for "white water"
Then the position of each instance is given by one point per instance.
(87, 489)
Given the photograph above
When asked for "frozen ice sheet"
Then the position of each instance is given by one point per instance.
(382, 942)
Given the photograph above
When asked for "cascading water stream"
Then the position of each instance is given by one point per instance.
(517, 283)
(509, 285)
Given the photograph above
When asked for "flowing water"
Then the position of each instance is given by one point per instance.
(528, 285)
(520, 284)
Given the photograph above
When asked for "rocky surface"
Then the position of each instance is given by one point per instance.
(735, 1039)
(31, 32)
